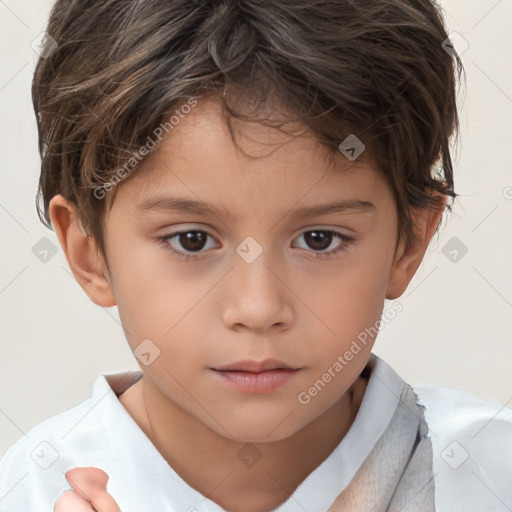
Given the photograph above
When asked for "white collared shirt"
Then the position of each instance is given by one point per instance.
(471, 440)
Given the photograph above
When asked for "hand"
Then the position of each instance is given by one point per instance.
(89, 492)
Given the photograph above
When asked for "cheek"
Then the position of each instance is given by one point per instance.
(348, 307)
(153, 294)
(352, 298)
(164, 316)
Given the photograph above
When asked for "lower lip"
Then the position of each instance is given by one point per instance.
(262, 382)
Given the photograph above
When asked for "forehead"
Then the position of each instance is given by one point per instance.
(200, 157)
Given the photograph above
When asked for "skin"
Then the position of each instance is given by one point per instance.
(292, 302)
(88, 492)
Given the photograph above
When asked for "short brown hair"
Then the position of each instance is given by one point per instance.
(377, 69)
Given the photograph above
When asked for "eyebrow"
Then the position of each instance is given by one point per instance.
(185, 205)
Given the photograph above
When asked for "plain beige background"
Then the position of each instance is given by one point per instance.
(454, 329)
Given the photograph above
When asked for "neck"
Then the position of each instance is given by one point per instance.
(239, 476)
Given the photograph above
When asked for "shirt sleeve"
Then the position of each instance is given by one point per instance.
(27, 481)
(472, 450)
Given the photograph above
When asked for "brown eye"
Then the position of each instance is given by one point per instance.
(192, 240)
(186, 243)
(192, 243)
(319, 241)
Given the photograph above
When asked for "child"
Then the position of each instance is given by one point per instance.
(305, 146)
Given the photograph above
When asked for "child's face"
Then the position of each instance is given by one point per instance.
(221, 305)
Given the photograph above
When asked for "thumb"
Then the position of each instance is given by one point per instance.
(91, 484)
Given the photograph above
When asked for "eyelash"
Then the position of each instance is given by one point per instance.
(346, 241)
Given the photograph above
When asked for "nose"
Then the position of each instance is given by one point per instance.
(258, 298)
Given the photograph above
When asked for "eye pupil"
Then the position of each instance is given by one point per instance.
(321, 239)
(192, 240)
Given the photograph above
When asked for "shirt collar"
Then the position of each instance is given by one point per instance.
(316, 493)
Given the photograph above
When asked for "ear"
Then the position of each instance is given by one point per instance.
(82, 254)
(408, 259)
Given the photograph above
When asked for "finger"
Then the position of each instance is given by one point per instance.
(91, 484)
(70, 501)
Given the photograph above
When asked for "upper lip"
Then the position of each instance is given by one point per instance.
(255, 366)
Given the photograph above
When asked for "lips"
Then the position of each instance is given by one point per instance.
(255, 366)
(257, 377)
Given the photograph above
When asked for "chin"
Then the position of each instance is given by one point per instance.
(246, 437)
(260, 429)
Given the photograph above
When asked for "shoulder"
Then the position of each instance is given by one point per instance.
(32, 471)
(455, 410)
(453, 413)
(472, 449)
